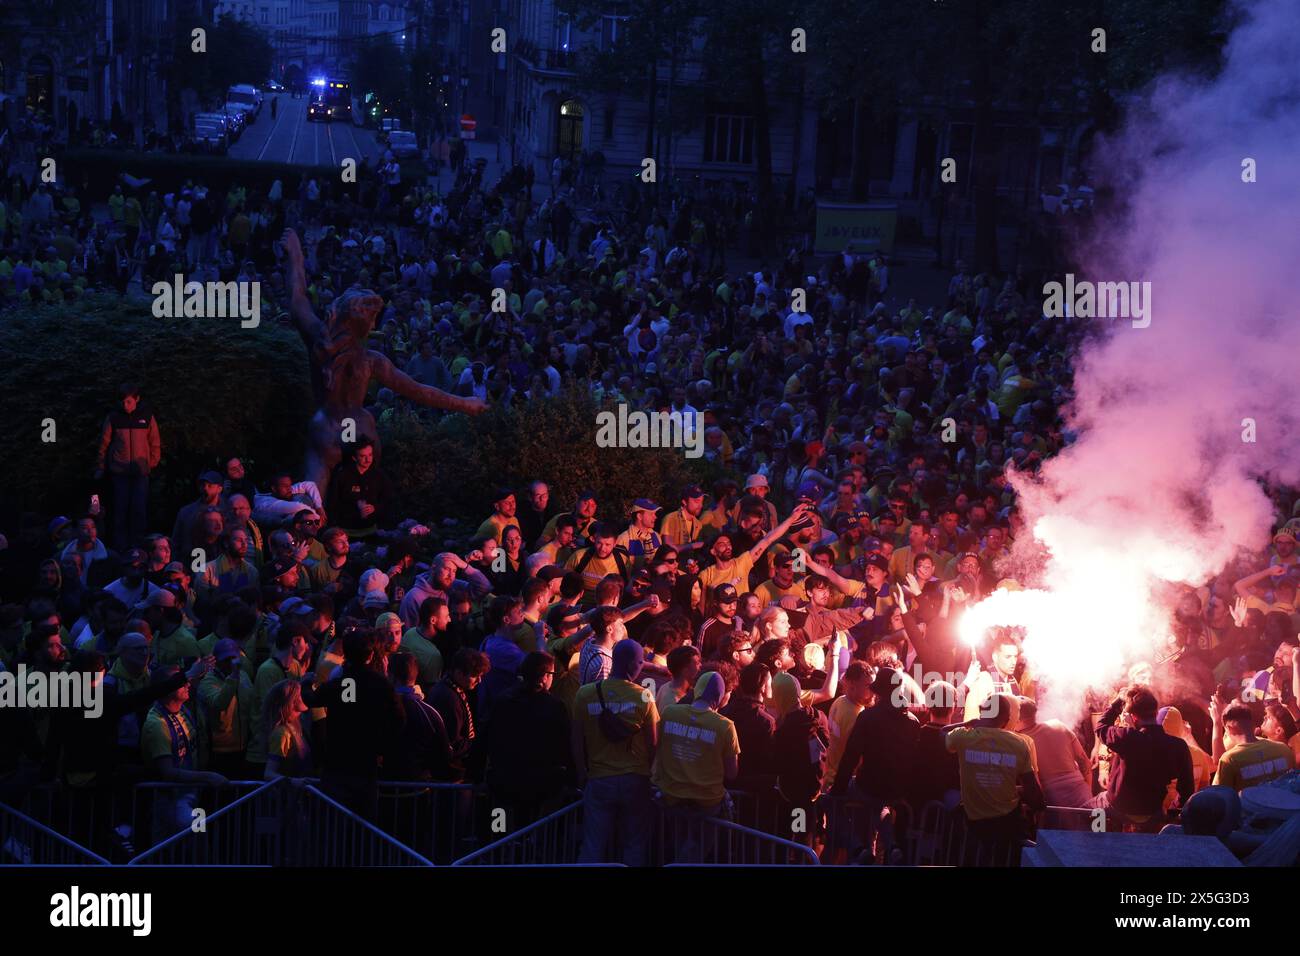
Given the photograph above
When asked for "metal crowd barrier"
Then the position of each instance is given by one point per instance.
(27, 842)
(332, 835)
(437, 820)
(554, 840)
(249, 831)
(678, 838)
(117, 819)
(684, 838)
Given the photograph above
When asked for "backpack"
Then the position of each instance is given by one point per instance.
(620, 561)
(616, 729)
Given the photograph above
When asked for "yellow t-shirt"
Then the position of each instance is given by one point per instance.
(156, 740)
(692, 747)
(844, 714)
(634, 705)
(227, 728)
(769, 592)
(1249, 765)
(493, 526)
(991, 761)
(735, 573)
(178, 646)
(596, 569)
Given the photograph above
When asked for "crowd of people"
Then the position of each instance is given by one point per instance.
(765, 635)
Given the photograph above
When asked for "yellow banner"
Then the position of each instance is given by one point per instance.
(866, 226)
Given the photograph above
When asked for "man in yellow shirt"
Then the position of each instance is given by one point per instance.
(502, 517)
(1243, 759)
(997, 776)
(639, 539)
(600, 559)
(700, 750)
(734, 569)
(900, 563)
(614, 735)
(226, 709)
(782, 581)
(856, 684)
(683, 527)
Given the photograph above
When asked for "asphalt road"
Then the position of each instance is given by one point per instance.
(290, 138)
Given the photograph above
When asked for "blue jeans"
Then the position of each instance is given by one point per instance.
(130, 509)
(616, 808)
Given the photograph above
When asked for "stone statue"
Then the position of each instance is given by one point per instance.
(342, 367)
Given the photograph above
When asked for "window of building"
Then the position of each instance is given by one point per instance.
(563, 32)
(609, 122)
(728, 138)
(610, 29)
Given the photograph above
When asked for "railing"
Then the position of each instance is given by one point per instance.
(677, 838)
(551, 841)
(685, 838)
(248, 832)
(27, 842)
(116, 820)
(332, 835)
(437, 820)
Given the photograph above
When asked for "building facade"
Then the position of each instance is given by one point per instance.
(699, 136)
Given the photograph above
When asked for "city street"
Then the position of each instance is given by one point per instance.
(290, 138)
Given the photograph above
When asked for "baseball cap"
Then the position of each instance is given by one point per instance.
(878, 561)
(564, 615)
(159, 598)
(57, 525)
(644, 504)
(550, 572)
(693, 491)
(724, 593)
(210, 477)
(755, 481)
(174, 567)
(809, 490)
(226, 649)
(277, 569)
(295, 605)
(587, 495)
(784, 559)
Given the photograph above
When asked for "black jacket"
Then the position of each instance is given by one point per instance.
(363, 726)
(347, 487)
(755, 728)
(881, 753)
(421, 751)
(527, 742)
(1146, 759)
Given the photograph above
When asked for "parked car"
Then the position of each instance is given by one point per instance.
(273, 86)
(403, 145)
(207, 135)
(244, 98)
(232, 123)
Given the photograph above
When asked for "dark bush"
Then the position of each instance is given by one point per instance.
(449, 467)
(216, 389)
